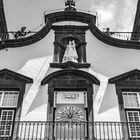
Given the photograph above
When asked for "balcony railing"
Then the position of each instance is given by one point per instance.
(69, 130)
(15, 35)
(133, 36)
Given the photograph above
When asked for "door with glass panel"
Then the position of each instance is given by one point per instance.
(70, 115)
(8, 104)
(132, 109)
(134, 123)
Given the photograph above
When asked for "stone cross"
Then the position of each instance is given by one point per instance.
(70, 3)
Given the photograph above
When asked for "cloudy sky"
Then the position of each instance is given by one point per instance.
(118, 15)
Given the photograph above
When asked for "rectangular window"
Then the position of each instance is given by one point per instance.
(8, 98)
(134, 123)
(8, 102)
(6, 123)
(131, 99)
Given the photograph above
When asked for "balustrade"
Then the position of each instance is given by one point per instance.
(69, 130)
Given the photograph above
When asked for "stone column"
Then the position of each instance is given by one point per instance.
(56, 53)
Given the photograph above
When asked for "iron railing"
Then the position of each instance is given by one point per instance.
(69, 130)
(133, 36)
(15, 35)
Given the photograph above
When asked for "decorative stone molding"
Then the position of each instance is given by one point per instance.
(69, 73)
(8, 75)
(70, 65)
(70, 16)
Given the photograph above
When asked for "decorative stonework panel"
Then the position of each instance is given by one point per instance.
(70, 113)
(70, 97)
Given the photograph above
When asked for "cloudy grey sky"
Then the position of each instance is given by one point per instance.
(115, 14)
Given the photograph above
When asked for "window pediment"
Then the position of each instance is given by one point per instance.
(9, 76)
(70, 76)
(128, 78)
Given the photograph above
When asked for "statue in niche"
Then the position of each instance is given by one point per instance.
(70, 52)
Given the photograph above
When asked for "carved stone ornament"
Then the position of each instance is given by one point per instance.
(70, 52)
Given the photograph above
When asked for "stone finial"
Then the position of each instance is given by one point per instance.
(70, 4)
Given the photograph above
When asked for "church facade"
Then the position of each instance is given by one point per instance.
(69, 81)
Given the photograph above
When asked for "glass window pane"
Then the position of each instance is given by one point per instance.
(5, 125)
(133, 123)
(10, 99)
(131, 99)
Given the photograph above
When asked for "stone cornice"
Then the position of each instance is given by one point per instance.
(129, 78)
(70, 65)
(70, 16)
(79, 73)
(6, 74)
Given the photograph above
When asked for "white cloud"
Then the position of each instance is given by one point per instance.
(105, 15)
(115, 14)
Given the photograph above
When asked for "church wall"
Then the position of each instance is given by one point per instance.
(106, 62)
(110, 61)
(16, 58)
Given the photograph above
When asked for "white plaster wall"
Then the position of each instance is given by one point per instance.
(110, 61)
(16, 58)
(32, 61)
(106, 62)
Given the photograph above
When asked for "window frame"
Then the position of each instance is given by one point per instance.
(133, 124)
(2, 98)
(8, 108)
(138, 98)
(6, 121)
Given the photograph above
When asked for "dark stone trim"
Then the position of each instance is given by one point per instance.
(128, 44)
(128, 78)
(70, 80)
(27, 40)
(10, 80)
(129, 81)
(6, 85)
(123, 117)
(3, 24)
(69, 65)
(136, 26)
(70, 16)
(79, 73)
(8, 75)
(76, 86)
(70, 27)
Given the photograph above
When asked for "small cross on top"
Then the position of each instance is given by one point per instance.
(70, 3)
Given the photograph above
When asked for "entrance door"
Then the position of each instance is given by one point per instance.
(70, 116)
